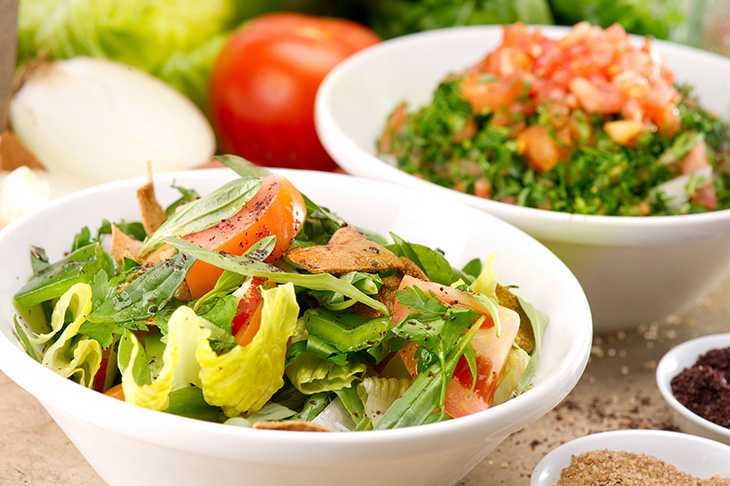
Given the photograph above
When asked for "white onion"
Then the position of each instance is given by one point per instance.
(675, 190)
(91, 121)
(21, 191)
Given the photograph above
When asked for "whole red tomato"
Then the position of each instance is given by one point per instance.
(264, 82)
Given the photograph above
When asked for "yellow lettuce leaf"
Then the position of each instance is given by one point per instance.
(246, 377)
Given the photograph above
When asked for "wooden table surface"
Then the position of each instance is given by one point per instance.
(617, 391)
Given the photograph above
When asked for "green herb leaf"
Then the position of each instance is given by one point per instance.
(187, 196)
(145, 295)
(250, 267)
(205, 212)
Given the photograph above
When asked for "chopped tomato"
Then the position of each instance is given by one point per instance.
(491, 350)
(247, 320)
(277, 209)
(115, 392)
(597, 70)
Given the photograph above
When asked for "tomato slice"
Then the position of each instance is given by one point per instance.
(277, 209)
(491, 350)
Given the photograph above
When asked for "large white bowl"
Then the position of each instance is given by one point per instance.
(632, 269)
(672, 363)
(130, 445)
(699, 457)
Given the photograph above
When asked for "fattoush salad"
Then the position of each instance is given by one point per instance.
(256, 307)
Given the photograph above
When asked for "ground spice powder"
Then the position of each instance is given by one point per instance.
(705, 387)
(621, 468)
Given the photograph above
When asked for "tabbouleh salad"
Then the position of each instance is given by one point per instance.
(586, 124)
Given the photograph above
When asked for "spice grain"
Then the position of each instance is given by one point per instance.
(621, 468)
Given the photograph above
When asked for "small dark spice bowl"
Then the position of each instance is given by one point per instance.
(694, 379)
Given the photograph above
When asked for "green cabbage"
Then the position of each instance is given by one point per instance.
(246, 377)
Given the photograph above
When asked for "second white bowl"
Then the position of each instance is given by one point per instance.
(633, 270)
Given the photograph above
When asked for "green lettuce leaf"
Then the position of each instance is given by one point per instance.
(509, 378)
(378, 394)
(310, 374)
(246, 377)
(78, 359)
(172, 39)
(539, 322)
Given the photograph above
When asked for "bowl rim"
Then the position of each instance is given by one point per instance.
(594, 441)
(328, 130)
(670, 366)
(59, 393)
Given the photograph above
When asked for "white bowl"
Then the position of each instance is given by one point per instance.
(127, 444)
(699, 457)
(677, 359)
(632, 269)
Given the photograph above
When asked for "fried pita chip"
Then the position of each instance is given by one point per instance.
(347, 251)
(152, 213)
(165, 252)
(183, 293)
(123, 245)
(294, 425)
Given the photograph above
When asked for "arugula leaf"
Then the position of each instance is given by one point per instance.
(229, 281)
(241, 166)
(250, 267)
(368, 283)
(81, 239)
(205, 212)
(425, 394)
(221, 312)
(435, 327)
(38, 259)
(354, 406)
(187, 195)
(189, 402)
(145, 295)
(433, 263)
(135, 229)
(314, 405)
(27, 345)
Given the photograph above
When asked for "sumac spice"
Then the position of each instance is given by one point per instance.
(705, 387)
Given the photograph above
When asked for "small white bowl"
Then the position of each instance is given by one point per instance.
(699, 457)
(677, 359)
(633, 270)
(127, 444)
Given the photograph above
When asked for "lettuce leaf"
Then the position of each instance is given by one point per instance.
(179, 364)
(378, 394)
(539, 322)
(310, 374)
(246, 377)
(176, 40)
(514, 369)
(73, 358)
